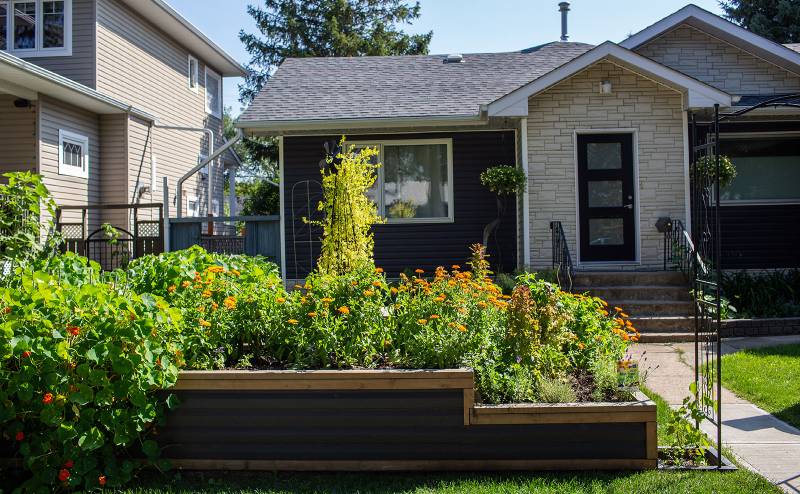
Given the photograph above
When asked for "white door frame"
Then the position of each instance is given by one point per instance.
(636, 194)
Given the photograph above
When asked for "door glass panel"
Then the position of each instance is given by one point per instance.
(606, 231)
(605, 193)
(604, 155)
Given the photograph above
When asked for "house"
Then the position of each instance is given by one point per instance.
(603, 133)
(104, 98)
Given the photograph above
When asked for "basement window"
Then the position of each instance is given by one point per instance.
(36, 28)
(73, 154)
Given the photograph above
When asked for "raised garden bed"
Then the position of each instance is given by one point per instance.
(392, 420)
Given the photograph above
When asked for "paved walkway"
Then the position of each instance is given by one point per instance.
(759, 440)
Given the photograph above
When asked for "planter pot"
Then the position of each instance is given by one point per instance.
(712, 459)
(392, 420)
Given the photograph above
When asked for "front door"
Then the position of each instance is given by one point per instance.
(606, 199)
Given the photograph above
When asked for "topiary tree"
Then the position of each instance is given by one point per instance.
(347, 239)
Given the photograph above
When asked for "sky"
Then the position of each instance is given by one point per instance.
(463, 26)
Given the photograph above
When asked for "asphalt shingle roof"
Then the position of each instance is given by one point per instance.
(400, 86)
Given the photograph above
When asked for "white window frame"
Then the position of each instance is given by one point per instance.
(83, 141)
(64, 51)
(450, 218)
(217, 113)
(193, 71)
(192, 213)
(757, 135)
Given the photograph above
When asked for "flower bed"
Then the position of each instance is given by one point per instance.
(391, 420)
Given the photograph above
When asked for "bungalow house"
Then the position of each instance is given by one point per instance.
(602, 133)
(104, 98)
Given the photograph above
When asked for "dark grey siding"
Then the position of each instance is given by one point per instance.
(400, 247)
(80, 67)
(761, 237)
(373, 425)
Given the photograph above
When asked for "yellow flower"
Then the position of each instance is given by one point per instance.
(206, 293)
(354, 283)
(461, 328)
(327, 300)
(293, 322)
(280, 300)
(312, 314)
(205, 323)
(422, 322)
(439, 299)
(186, 284)
(604, 312)
(229, 302)
(171, 288)
(368, 293)
(344, 310)
(235, 272)
(581, 346)
(201, 309)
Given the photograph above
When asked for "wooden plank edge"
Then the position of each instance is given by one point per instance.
(563, 408)
(321, 385)
(652, 440)
(469, 402)
(414, 465)
(326, 374)
(562, 418)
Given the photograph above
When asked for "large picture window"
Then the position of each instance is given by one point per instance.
(415, 180)
(767, 169)
(30, 28)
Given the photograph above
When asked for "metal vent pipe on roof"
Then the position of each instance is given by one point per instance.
(563, 7)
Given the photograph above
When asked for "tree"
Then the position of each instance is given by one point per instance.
(326, 28)
(778, 20)
(260, 198)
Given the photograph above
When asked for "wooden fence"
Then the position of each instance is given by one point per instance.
(251, 235)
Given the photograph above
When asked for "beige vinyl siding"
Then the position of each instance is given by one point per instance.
(653, 110)
(139, 64)
(114, 162)
(79, 67)
(715, 62)
(17, 136)
(55, 115)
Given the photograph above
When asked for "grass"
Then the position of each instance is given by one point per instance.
(742, 481)
(767, 377)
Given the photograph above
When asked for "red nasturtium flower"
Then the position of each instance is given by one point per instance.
(26, 354)
(20, 436)
(101, 480)
(7, 310)
(63, 475)
(48, 398)
(74, 330)
(69, 464)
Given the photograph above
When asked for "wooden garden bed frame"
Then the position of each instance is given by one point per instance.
(392, 420)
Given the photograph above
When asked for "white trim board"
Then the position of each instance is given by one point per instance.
(722, 29)
(700, 95)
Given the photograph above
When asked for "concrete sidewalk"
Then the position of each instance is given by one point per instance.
(759, 440)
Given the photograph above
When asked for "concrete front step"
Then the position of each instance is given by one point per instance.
(669, 324)
(666, 337)
(649, 293)
(644, 308)
(627, 278)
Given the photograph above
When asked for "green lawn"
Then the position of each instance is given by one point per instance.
(768, 377)
(742, 481)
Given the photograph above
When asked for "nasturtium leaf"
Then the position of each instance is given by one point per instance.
(150, 449)
(91, 439)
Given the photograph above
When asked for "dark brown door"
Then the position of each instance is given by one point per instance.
(606, 202)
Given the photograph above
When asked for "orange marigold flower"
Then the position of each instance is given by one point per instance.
(293, 322)
(622, 314)
(378, 270)
(482, 304)
(235, 272)
(434, 316)
(393, 290)
(216, 269)
(206, 293)
(204, 323)
(229, 302)
(280, 300)
(422, 321)
(171, 288)
(440, 298)
(455, 267)
(368, 293)
(201, 309)
(419, 271)
(617, 309)
(101, 480)
(461, 328)
(327, 300)
(344, 310)
(377, 284)
(74, 330)
(312, 314)
(47, 398)
(604, 312)
(581, 346)
(186, 284)
(214, 305)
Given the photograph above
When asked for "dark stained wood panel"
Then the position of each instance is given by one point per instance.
(760, 237)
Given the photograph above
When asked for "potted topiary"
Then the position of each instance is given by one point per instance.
(503, 181)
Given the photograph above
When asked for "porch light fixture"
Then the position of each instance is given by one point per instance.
(605, 87)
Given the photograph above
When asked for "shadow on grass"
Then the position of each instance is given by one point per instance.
(790, 415)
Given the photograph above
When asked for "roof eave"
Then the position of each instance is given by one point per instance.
(283, 126)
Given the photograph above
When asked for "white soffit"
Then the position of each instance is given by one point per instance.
(700, 95)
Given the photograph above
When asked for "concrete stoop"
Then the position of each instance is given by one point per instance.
(658, 303)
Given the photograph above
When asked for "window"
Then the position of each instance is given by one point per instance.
(213, 93)
(767, 169)
(193, 73)
(73, 154)
(36, 27)
(192, 207)
(415, 181)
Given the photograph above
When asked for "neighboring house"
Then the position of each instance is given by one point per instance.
(91, 92)
(602, 132)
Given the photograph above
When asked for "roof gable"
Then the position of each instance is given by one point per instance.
(515, 104)
(720, 28)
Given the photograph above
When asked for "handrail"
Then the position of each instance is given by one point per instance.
(679, 250)
(562, 260)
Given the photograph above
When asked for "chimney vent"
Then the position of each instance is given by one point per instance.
(563, 7)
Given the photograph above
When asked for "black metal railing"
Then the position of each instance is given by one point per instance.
(562, 260)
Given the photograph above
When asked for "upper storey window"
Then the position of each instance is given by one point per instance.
(213, 93)
(36, 28)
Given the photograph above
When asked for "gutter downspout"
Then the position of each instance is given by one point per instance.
(178, 195)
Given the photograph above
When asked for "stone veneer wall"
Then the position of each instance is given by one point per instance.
(718, 63)
(652, 109)
(761, 327)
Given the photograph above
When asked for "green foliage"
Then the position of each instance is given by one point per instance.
(24, 200)
(347, 240)
(767, 294)
(325, 28)
(688, 440)
(777, 20)
(261, 198)
(707, 166)
(556, 391)
(504, 180)
(79, 367)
